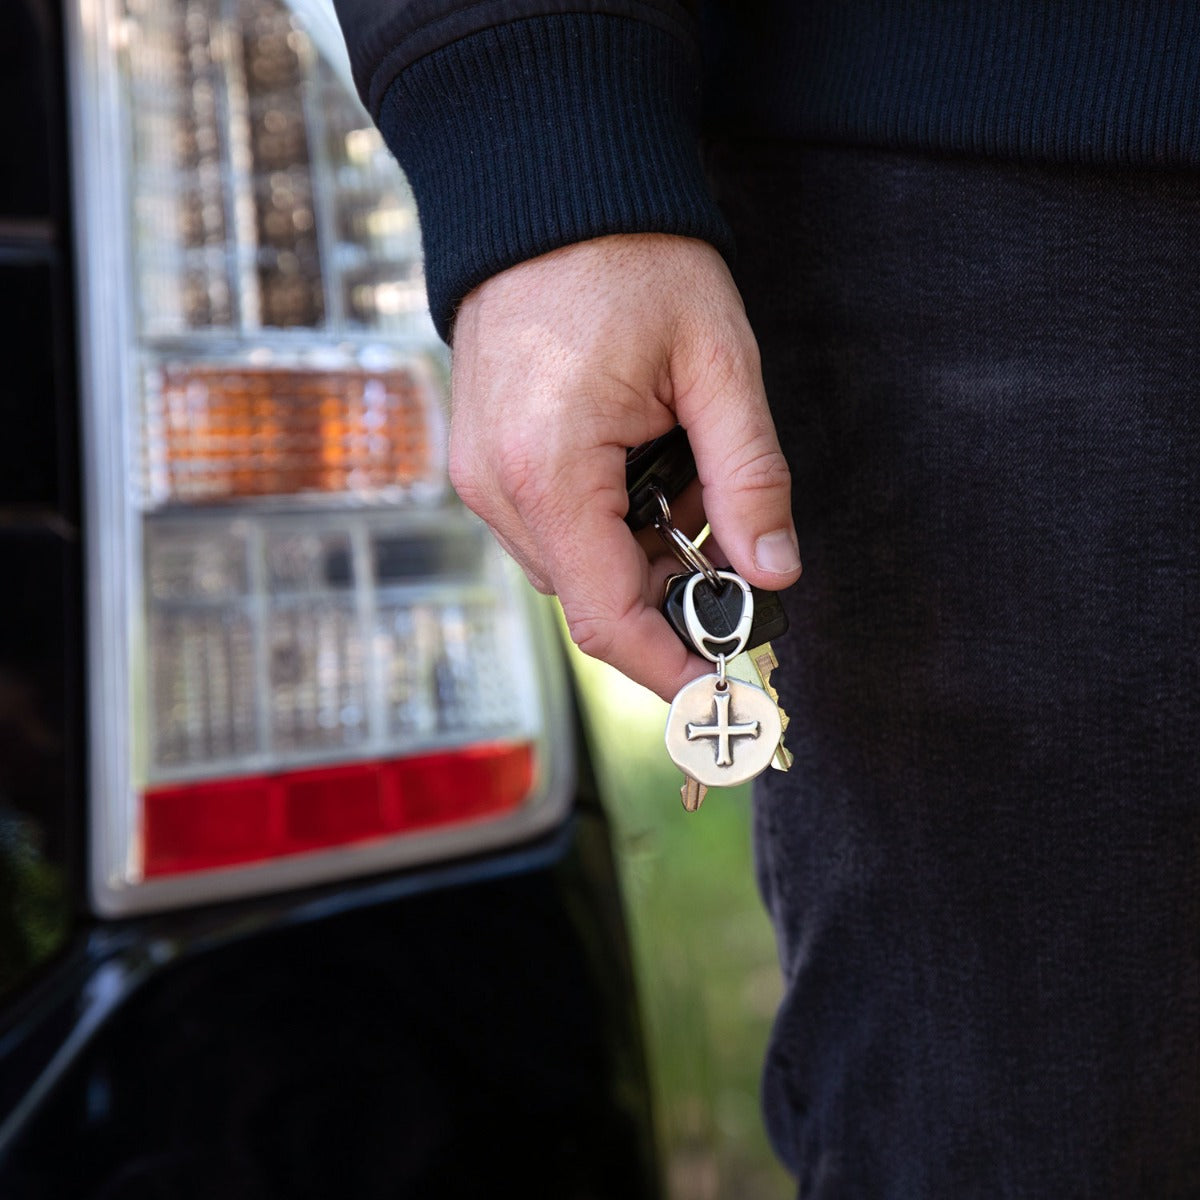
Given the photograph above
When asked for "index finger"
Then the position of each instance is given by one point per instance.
(604, 583)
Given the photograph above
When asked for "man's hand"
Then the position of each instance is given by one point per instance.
(562, 362)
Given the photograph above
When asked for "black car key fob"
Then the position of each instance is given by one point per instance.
(665, 463)
(769, 622)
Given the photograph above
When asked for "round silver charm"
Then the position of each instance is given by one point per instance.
(722, 735)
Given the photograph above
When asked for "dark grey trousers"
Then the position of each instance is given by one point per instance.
(984, 868)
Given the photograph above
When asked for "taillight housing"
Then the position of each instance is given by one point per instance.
(306, 660)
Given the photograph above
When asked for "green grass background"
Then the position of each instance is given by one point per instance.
(705, 957)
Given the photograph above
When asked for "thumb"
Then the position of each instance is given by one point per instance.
(745, 478)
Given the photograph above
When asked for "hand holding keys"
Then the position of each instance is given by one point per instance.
(722, 729)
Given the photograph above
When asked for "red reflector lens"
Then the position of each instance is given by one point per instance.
(225, 822)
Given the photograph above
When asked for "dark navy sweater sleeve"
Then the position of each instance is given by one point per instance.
(524, 126)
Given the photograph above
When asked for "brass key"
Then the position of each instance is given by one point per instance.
(756, 666)
(692, 793)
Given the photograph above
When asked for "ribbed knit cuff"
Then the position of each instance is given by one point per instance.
(543, 132)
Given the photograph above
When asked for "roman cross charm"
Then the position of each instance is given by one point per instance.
(723, 731)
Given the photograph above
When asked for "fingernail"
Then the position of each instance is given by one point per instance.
(777, 552)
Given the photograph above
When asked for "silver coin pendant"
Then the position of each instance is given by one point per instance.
(722, 732)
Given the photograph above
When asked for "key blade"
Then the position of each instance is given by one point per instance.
(765, 662)
(692, 793)
(756, 666)
(783, 757)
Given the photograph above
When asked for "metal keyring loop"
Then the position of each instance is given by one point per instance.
(685, 549)
(664, 508)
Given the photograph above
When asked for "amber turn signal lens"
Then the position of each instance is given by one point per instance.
(232, 433)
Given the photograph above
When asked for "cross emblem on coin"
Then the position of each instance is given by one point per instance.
(722, 730)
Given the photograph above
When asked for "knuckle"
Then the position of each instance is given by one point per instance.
(538, 583)
(595, 629)
(462, 476)
(759, 468)
(728, 360)
(726, 370)
(517, 470)
(543, 486)
(470, 485)
(593, 634)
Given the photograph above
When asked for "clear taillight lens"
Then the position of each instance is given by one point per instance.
(307, 659)
(264, 197)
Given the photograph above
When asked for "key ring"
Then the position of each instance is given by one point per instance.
(685, 549)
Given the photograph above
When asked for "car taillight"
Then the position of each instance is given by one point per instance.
(306, 659)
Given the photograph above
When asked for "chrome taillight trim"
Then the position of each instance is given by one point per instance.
(106, 375)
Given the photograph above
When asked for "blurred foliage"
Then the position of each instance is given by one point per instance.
(703, 948)
(34, 913)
